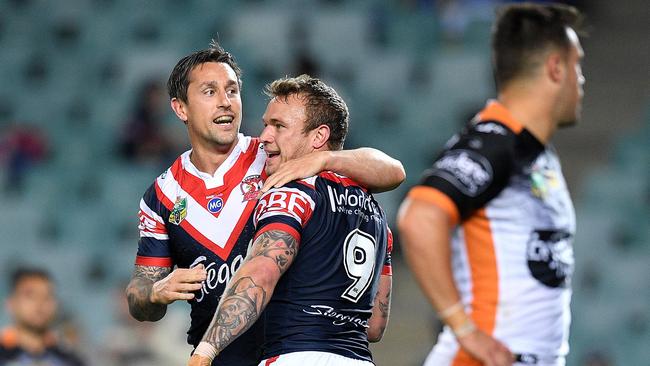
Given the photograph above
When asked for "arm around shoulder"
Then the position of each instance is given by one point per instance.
(370, 167)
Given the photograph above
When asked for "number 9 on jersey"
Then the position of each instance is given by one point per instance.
(359, 259)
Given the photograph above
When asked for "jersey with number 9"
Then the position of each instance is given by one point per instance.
(324, 300)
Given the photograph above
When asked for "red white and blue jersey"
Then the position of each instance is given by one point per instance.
(325, 298)
(188, 218)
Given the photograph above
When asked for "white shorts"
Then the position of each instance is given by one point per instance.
(313, 358)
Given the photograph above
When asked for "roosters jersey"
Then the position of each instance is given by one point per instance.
(512, 253)
(325, 298)
(188, 218)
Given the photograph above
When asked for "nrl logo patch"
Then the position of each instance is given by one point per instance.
(251, 186)
(179, 212)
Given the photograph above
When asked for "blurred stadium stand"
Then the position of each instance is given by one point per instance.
(411, 72)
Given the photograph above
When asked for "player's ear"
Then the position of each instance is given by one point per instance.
(320, 137)
(555, 67)
(179, 108)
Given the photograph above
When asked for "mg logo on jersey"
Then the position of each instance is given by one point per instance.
(215, 205)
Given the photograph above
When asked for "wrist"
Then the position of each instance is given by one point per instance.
(153, 295)
(451, 310)
(329, 160)
(206, 350)
(456, 318)
(466, 328)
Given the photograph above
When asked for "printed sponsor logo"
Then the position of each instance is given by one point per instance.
(358, 203)
(346, 199)
(543, 179)
(338, 318)
(527, 359)
(179, 212)
(466, 170)
(550, 257)
(251, 187)
(217, 275)
(215, 205)
(291, 202)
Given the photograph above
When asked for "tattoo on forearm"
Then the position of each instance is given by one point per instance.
(240, 307)
(384, 306)
(139, 291)
(277, 245)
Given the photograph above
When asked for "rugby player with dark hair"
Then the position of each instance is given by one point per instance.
(30, 340)
(488, 231)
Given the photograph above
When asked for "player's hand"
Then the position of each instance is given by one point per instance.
(198, 360)
(486, 349)
(299, 168)
(178, 285)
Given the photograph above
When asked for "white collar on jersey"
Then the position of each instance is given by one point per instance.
(216, 179)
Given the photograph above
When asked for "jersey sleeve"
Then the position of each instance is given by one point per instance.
(387, 269)
(153, 246)
(472, 169)
(287, 208)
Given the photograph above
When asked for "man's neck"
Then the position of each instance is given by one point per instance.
(532, 108)
(208, 159)
(30, 340)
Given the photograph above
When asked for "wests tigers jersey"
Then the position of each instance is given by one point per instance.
(512, 253)
(188, 218)
(325, 298)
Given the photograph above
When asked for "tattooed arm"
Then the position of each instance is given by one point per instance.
(381, 309)
(248, 293)
(152, 288)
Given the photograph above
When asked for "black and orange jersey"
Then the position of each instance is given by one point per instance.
(13, 355)
(512, 253)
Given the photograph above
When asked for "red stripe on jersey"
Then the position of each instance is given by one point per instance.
(271, 360)
(387, 270)
(150, 225)
(153, 261)
(193, 185)
(234, 236)
(196, 189)
(223, 253)
(345, 181)
(236, 173)
(280, 227)
(162, 198)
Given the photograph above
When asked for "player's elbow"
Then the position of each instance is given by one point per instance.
(398, 173)
(408, 226)
(375, 334)
(142, 310)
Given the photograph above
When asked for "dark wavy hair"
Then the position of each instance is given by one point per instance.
(180, 76)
